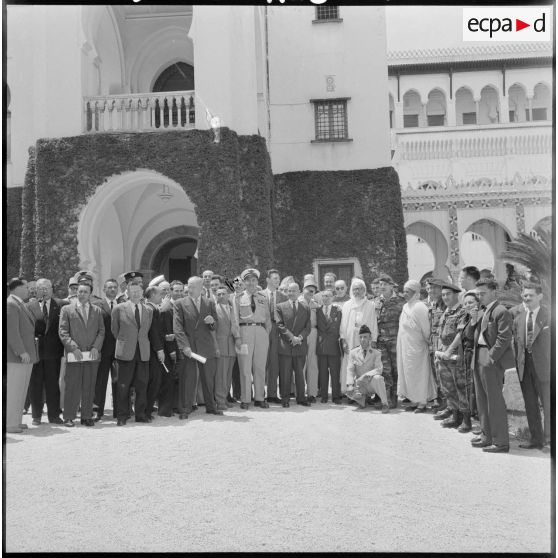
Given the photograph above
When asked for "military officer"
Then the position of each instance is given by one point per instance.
(451, 372)
(436, 308)
(254, 319)
(72, 289)
(130, 276)
(388, 312)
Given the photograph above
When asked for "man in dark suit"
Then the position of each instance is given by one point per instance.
(493, 355)
(81, 329)
(274, 297)
(532, 355)
(21, 353)
(328, 319)
(194, 327)
(106, 366)
(293, 321)
(131, 321)
(153, 297)
(45, 377)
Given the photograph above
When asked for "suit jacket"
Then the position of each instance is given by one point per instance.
(279, 297)
(359, 365)
(156, 336)
(496, 328)
(541, 343)
(76, 334)
(20, 332)
(292, 326)
(190, 328)
(328, 331)
(166, 313)
(50, 346)
(227, 330)
(109, 343)
(126, 332)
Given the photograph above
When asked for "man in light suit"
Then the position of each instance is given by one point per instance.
(364, 372)
(21, 353)
(45, 376)
(81, 329)
(228, 339)
(107, 364)
(274, 298)
(328, 350)
(131, 321)
(493, 355)
(293, 321)
(532, 355)
(194, 328)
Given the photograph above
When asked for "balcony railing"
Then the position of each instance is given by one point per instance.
(139, 112)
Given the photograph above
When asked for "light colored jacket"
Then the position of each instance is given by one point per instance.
(359, 365)
(76, 334)
(20, 332)
(126, 332)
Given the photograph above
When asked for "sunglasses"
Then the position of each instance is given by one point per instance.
(339, 288)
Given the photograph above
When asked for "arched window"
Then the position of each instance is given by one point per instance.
(518, 106)
(541, 105)
(465, 108)
(436, 108)
(177, 77)
(411, 109)
(489, 110)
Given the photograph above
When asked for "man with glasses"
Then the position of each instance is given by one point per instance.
(341, 295)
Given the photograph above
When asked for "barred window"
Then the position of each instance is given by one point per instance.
(331, 119)
(327, 12)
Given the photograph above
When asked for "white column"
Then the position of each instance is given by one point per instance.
(450, 112)
(530, 107)
(504, 109)
(423, 123)
(477, 102)
(398, 114)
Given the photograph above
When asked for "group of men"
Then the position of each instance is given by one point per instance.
(174, 346)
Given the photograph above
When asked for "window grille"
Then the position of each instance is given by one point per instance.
(327, 12)
(331, 119)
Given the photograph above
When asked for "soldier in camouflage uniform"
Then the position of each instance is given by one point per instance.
(436, 308)
(388, 312)
(451, 372)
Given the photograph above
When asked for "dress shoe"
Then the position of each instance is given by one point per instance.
(496, 449)
(410, 408)
(69, 423)
(337, 401)
(261, 404)
(55, 420)
(24, 427)
(194, 408)
(166, 415)
(14, 430)
(420, 410)
(121, 422)
(324, 400)
(443, 414)
(273, 400)
(303, 403)
(215, 412)
(36, 422)
(149, 417)
(244, 406)
(351, 401)
(89, 422)
(285, 404)
(480, 442)
(231, 399)
(311, 399)
(183, 416)
(477, 430)
(385, 408)
(452, 422)
(465, 426)
(222, 407)
(142, 419)
(405, 400)
(531, 445)
(98, 418)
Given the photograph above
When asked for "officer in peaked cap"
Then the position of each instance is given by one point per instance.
(72, 289)
(384, 277)
(254, 319)
(450, 286)
(128, 278)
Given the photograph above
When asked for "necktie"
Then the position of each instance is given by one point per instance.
(197, 303)
(529, 330)
(84, 312)
(137, 313)
(364, 352)
(111, 305)
(327, 311)
(253, 304)
(294, 306)
(45, 311)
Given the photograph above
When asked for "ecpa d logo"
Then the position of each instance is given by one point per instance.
(507, 24)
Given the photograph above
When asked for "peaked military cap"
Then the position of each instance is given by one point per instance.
(250, 272)
(454, 288)
(364, 329)
(385, 278)
(132, 275)
(156, 281)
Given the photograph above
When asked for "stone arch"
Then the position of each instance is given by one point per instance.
(496, 235)
(517, 101)
(541, 102)
(412, 108)
(489, 105)
(544, 223)
(123, 216)
(165, 239)
(465, 107)
(436, 107)
(436, 241)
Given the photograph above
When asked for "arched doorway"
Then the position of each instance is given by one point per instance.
(430, 253)
(173, 253)
(496, 237)
(123, 218)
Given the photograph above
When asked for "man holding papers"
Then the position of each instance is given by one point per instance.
(81, 331)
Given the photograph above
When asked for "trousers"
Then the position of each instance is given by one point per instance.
(536, 393)
(223, 379)
(453, 384)
(329, 366)
(288, 364)
(17, 382)
(80, 387)
(253, 364)
(311, 367)
(44, 384)
(272, 368)
(132, 372)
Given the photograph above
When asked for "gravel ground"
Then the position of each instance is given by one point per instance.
(328, 478)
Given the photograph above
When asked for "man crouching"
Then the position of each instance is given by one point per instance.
(364, 372)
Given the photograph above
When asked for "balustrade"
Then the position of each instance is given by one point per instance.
(139, 112)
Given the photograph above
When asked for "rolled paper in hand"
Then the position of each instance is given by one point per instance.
(199, 358)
